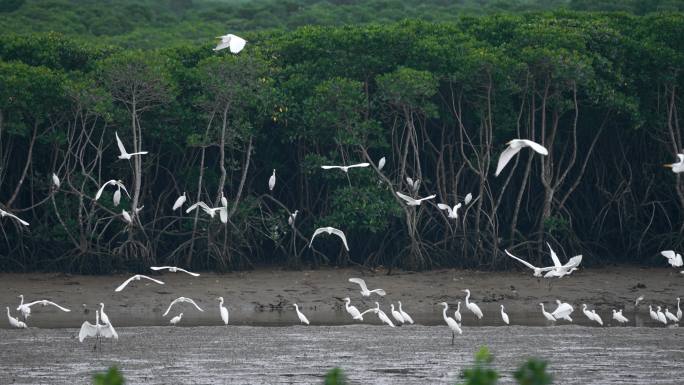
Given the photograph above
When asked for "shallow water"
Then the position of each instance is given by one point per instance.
(368, 354)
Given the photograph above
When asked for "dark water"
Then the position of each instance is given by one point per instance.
(369, 354)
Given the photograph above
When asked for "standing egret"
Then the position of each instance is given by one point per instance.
(174, 269)
(223, 310)
(13, 321)
(679, 310)
(352, 310)
(451, 212)
(597, 317)
(180, 201)
(292, 218)
(381, 163)
(674, 259)
(381, 314)
(671, 316)
(414, 202)
(97, 330)
(453, 325)
(126, 216)
(591, 314)
(504, 316)
(396, 315)
(678, 166)
(514, 146)
(346, 168)
(302, 317)
(407, 317)
(235, 43)
(546, 314)
(457, 313)
(364, 289)
(472, 306)
(330, 230)
(563, 311)
(179, 300)
(136, 277)
(23, 309)
(661, 316)
(617, 315)
(272, 181)
(117, 197)
(4, 213)
(123, 153)
(653, 314)
(468, 199)
(112, 182)
(103, 316)
(55, 180)
(175, 320)
(413, 184)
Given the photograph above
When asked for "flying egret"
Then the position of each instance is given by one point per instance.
(407, 317)
(13, 321)
(617, 315)
(175, 320)
(173, 269)
(223, 310)
(674, 259)
(678, 166)
(563, 311)
(504, 316)
(43, 302)
(4, 213)
(112, 182)
(653, 314)
(364, 289)
(272, 181)
(546, 314)
(211, 211)
(292, 218)
(457, 313)
(414, 202)
(468, 199)
(679, 310)
(98, 330)
(514, 146)
(451, 212)
(413, 184)
(597, 317)
(123, 153)
(235, 43)
(302, 317)
(126, 216)
(381, 314)
(537, 270)
(559, 270)
(670, 316)
(55, 180)
(179, 201)
(381, 163)
(396, 315)
(471, 305)
(661, 316)
(346, 168)
(136, 277)
(179, 300)
(352, 310)
(330, 230)
(453, 325)
(636, 302)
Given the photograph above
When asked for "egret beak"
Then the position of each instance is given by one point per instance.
(668, 165)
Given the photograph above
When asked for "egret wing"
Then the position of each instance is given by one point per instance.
(669, 254)
(175, 301)
(318, 231)
(151, 279)
(123, 285)
(156, 268)
(505, 157)
(222, 45)
(124, 188)
(87, 330)
(538, 148)
(359, 165)
(193, 302)
(188, 272)
(359, 282)
(179, 202)
(405, 197)
(574, 261)
(99, 192)
(330, 167)
(340, 234)
(442, 206)
(237, 44)
(531, 266)
(554, 257)
(122, 149)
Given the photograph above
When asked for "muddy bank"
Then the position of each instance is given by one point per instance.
(264, 297)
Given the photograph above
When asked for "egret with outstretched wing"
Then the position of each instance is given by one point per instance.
(330, 230)
(136, 277)
(364, 289)
(514, 146)
(180, 300)
(174, 269)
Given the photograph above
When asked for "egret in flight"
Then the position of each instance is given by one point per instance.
(563, 311)
(451, 212)
(136, 277)
(302, 317)
(272, 181)
(514, 146)
(123, 153)
(559, 270)
(414, 202)
(211, 211)
(617, 315)
(674, 259)
(330, 230)
(538, 271)
(472, 306)
(13, 321)
(223, 310)
(25, 308)
(678, 166)
(173, 269)
(364, 289)
(396, 315)
(407, 317)
(346, 168)
(504, 316)
(453, 325)
(112, 182)
(180, 300)
(235, 43)
(180, 201)
(175, 320)
(4, 213)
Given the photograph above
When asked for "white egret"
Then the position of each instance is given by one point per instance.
(180, 201)
(381, 163)
(636, 302)
(653, 314)
(292, 218)
(180, 300)
(346, 168)
(175, 320)
(117, 197)
(514, 146)
(413, 184)
(563, 311)
(661, 316)
(559, 270)
(136, 277)
(679, 310)
(468, 199)
(224, 200)
(471, 305)
(43, 302)
(13, 321)
(223, 310)
(457, 313)
(211, 211)
(302, 317)
(407, 317)
(453, 325)
(4, 213)
(537, 270)
(678, 166)
(396, 315)
(617, 315)
(55, 180)
(591, 314)
(330, 230)
(352, 310)
(103, 316)
(23, 309)
(674, 259)
(381, 314)
(504, 316)
(670, 316)
(364, 289)
(451, 212)
(272, 181)
(174, 269)
(112, 182)
(414, 202)
(126, 216)
(123, 153)
(98, 330)
(546, 314)
(597, 317)
(235, 43)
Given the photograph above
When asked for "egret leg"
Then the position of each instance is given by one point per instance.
(453, 335)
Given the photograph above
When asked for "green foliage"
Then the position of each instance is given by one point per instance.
(111, 377)
(533, 372)
(335, 377)
(482, 372)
